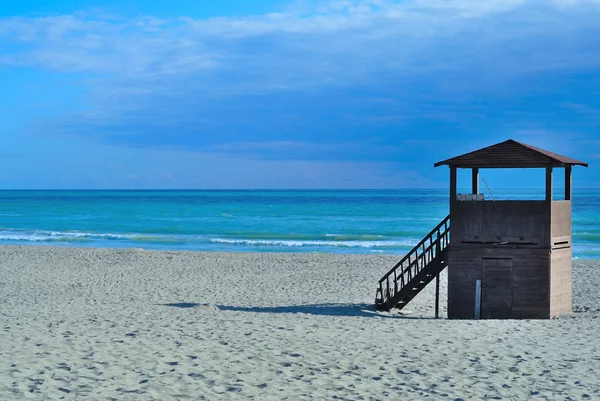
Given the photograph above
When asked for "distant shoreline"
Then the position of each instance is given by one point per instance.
(120, 248)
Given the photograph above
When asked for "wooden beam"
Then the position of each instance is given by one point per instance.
(437, 296)
(568, 182)
(452, 188)
(475, 180)
(548, 233)
(548, 184)
(477, 299)
(503, 165)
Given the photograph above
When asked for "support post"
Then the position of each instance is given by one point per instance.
(437, 296)
(568, 183)
(452, 188)
(548, 184)
(475, 181)
(477, 299)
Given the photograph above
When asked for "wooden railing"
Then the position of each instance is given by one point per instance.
(412, 264)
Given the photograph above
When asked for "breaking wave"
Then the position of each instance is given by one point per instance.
(55, 236)
(315, 243)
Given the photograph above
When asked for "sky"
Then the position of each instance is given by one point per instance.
(187, 94)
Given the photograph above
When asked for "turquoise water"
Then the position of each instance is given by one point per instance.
(384, 222)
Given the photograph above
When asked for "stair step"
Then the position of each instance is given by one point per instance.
(427, 266)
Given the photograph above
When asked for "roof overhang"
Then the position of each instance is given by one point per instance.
(510, 154)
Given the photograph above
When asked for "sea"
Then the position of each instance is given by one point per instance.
(324, 221)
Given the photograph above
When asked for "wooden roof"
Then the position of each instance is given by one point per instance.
(510, 154)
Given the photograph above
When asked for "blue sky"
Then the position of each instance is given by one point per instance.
(301, 94)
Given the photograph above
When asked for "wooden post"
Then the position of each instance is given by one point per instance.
(475, 181)
(477, 299)
(452, 188)
(568, 183)
(437, 296)
(548, 184)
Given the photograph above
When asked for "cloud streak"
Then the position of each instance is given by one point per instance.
(337, 80)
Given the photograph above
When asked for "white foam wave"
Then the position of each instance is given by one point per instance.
(315, 243)
(87, 235)
(54, 236)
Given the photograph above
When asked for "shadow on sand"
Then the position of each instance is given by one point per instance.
(351, 310)
(182, 305)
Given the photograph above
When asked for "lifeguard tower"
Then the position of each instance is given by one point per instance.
(506, 258)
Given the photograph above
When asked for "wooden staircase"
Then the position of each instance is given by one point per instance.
(421, 265)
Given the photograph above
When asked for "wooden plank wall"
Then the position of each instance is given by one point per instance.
(497, 288)
(561, 284)
(492, 221)
(531, 279)
(561, 224)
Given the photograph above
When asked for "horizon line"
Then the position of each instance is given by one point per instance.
(277, 189)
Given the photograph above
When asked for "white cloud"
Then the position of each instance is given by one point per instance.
(436, 60)
(347, 38)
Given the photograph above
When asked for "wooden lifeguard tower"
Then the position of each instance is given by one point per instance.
(507, 259)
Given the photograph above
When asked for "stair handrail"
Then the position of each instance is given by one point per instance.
(429, 253)
(414, 251)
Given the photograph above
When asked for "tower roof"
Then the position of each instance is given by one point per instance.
(509, 154)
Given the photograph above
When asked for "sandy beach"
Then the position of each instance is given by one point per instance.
(129, 324)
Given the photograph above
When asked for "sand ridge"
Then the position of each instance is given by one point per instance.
(129, 324)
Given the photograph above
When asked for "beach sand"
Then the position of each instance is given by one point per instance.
(109, 324)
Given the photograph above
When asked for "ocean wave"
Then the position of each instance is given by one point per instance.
(595, 237)
(355, 237)
(55, 236)
(314, 243)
